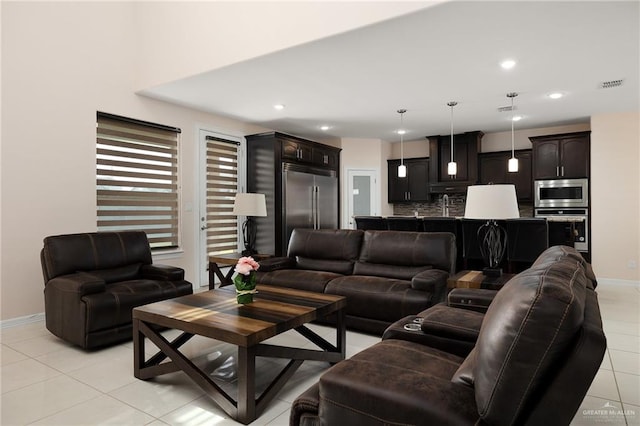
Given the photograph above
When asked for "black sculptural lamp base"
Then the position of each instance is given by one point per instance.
(249, 236)
(493, 242)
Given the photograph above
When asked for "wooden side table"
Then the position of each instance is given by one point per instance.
(476, 279)
(226, 260)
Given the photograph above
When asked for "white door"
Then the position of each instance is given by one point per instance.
(362, 194)
(221, 176)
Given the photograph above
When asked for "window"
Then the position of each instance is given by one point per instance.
(137, 178)
(222, 186)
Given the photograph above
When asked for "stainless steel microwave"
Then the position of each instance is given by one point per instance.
(561, 193)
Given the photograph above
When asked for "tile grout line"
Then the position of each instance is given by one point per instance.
(615, 379)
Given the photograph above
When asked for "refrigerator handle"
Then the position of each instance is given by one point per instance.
(313, 206)
(317, 207)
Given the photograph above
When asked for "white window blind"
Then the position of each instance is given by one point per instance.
(222, 186)
(137, 178)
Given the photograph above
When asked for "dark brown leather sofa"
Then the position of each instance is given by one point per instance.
(94, 280)
(385, 275)
(535, 355)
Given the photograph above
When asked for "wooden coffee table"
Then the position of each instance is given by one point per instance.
(217, 315)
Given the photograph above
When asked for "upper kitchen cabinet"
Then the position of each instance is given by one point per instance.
(412, 188)
(466, 147)
(297, 150)
(493, 168)
(561, 156)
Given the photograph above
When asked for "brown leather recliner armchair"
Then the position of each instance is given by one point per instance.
(94, 280)
(538, 349)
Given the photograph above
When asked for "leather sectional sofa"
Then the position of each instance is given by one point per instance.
(385, 275)
(94, 280)
(530, 359)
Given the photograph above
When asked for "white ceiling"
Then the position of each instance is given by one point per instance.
(355, 82)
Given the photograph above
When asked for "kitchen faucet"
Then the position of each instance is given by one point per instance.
(445, 205)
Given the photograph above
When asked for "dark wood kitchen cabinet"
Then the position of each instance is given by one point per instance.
(561, 156)
(493, 168)
(466, 148)
(412, 188)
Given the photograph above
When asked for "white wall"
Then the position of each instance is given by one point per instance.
(62, 62)
(615, 195)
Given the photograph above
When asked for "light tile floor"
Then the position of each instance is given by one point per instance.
(45, 381)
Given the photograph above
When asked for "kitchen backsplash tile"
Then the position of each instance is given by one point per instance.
(456, 207)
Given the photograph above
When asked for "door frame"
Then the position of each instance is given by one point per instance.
(202, 258)
(348, 191)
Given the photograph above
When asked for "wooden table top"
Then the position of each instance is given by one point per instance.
(217, 314)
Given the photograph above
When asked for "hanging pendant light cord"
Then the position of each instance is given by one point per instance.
(401, 136)
(512, 136)
(452, 104)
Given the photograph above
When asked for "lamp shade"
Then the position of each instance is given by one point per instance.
(491, 202)
(249, 204)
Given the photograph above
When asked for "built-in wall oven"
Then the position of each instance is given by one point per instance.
(565, 204)
(567, 226)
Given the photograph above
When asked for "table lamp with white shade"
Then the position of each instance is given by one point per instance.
(492, 203)
(249, 205)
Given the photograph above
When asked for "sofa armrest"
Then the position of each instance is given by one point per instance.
(162, 272)
(76, 285)
(277, 263)
(475, 299)
(433, 281)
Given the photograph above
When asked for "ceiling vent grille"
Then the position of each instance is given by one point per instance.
(610, 84)
(507, 108)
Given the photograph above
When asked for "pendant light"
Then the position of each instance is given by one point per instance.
(452, 167)
(513, 161)
(402, 169)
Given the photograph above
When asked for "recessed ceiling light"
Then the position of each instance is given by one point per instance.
(401, 132)
(555, 95)
(324, 128)
(508, 64)
(279, 107)
(517, 118)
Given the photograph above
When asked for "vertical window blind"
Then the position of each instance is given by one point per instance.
(222, 186)
(137, 178)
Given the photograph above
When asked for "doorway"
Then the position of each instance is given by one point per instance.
(362, 195)
(221, 177)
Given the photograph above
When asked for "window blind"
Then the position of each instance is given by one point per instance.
(222, 186)
(137, 178)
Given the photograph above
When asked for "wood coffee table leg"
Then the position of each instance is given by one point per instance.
(246, 384)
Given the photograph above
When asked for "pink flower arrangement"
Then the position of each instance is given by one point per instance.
(246, 265)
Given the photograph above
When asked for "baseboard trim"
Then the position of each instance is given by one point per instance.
(27, 319)
(618, 283)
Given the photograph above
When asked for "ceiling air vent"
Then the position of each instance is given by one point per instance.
(609, 84)
(507, 108)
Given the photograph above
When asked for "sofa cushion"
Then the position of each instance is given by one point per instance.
(122, 273)
(298, 279)
(528, 329)
(331, 250)
(379, 298)
(395, 382)
(410, 249)
(389, 271)
(113, 306)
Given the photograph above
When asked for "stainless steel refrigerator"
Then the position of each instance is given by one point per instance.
(300, 180)
(310, 199)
